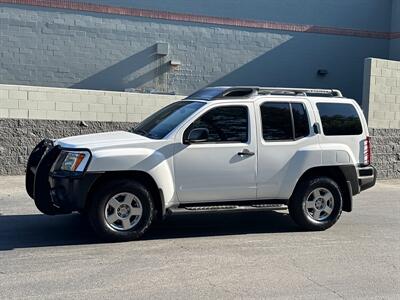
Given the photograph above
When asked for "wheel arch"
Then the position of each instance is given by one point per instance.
(140, 176)
(342, 175)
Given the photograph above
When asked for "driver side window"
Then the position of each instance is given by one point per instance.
(226, 124)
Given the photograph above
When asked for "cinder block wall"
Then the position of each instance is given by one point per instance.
(381, 105)
(386, 152)
(28, 102)
(70, 48)
(381, 100)
(18, 137)
(29, 114)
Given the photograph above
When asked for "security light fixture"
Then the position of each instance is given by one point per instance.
(175, 63)
(322, 72)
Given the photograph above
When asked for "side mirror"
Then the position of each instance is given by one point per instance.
(197, 135)
(317, 128)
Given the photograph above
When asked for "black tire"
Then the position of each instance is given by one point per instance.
(97, 215)
(301, 197)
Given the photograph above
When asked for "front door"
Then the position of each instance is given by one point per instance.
(223, 168)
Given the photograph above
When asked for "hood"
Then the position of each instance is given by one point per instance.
(101, 140)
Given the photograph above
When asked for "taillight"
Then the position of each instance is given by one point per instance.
(367, 151)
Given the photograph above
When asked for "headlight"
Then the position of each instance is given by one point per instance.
(74, 161)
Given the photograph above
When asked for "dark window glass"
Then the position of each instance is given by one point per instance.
(159, 124)
(276, 121)
(225, 124)
(301, 125)
(339, 119)
(207, 93)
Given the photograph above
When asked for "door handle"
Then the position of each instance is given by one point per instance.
(246, 152)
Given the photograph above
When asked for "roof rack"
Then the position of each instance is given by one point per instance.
(300, 92)
(213, 93)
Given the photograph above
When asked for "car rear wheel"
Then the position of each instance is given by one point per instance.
(122, 210)
(316, 203)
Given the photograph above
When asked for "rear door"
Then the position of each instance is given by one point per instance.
(287, 145)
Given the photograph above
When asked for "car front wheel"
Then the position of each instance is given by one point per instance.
(122, 210)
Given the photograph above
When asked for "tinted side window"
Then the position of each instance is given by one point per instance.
(301, 125)
(339, 119)
(276, 121)
(225, 124)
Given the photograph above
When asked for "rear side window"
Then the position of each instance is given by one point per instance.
(282, 121)
(339, 119)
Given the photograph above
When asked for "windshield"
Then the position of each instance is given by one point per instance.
(159, 124)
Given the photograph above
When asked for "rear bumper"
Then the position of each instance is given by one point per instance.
(366, 177)
(359, 178)
(55, 192)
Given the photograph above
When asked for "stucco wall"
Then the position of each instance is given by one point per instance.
(381, 101)
(97, 51)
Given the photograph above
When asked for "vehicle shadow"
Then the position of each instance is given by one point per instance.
(30, 231)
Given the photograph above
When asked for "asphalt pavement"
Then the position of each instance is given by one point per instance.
(249, 255)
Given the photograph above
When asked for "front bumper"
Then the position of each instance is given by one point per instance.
(55, 192)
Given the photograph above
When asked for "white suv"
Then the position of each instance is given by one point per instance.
(221, 148)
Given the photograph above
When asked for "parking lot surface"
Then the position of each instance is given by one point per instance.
(228, 255)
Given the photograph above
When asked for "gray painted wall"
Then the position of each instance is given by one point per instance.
(395, 49)
(395, 44)
(94, 51)
(361, 14)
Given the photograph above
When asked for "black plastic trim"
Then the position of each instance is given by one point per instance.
(70, 192)
(33, 161)
(349, 205)
(351, 176)
(367, 181)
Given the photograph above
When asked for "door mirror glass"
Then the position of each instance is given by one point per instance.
(317, 128)
(198, 135)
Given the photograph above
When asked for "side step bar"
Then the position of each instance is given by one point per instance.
(214, 208)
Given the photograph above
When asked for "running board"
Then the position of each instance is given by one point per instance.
(212, 208)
